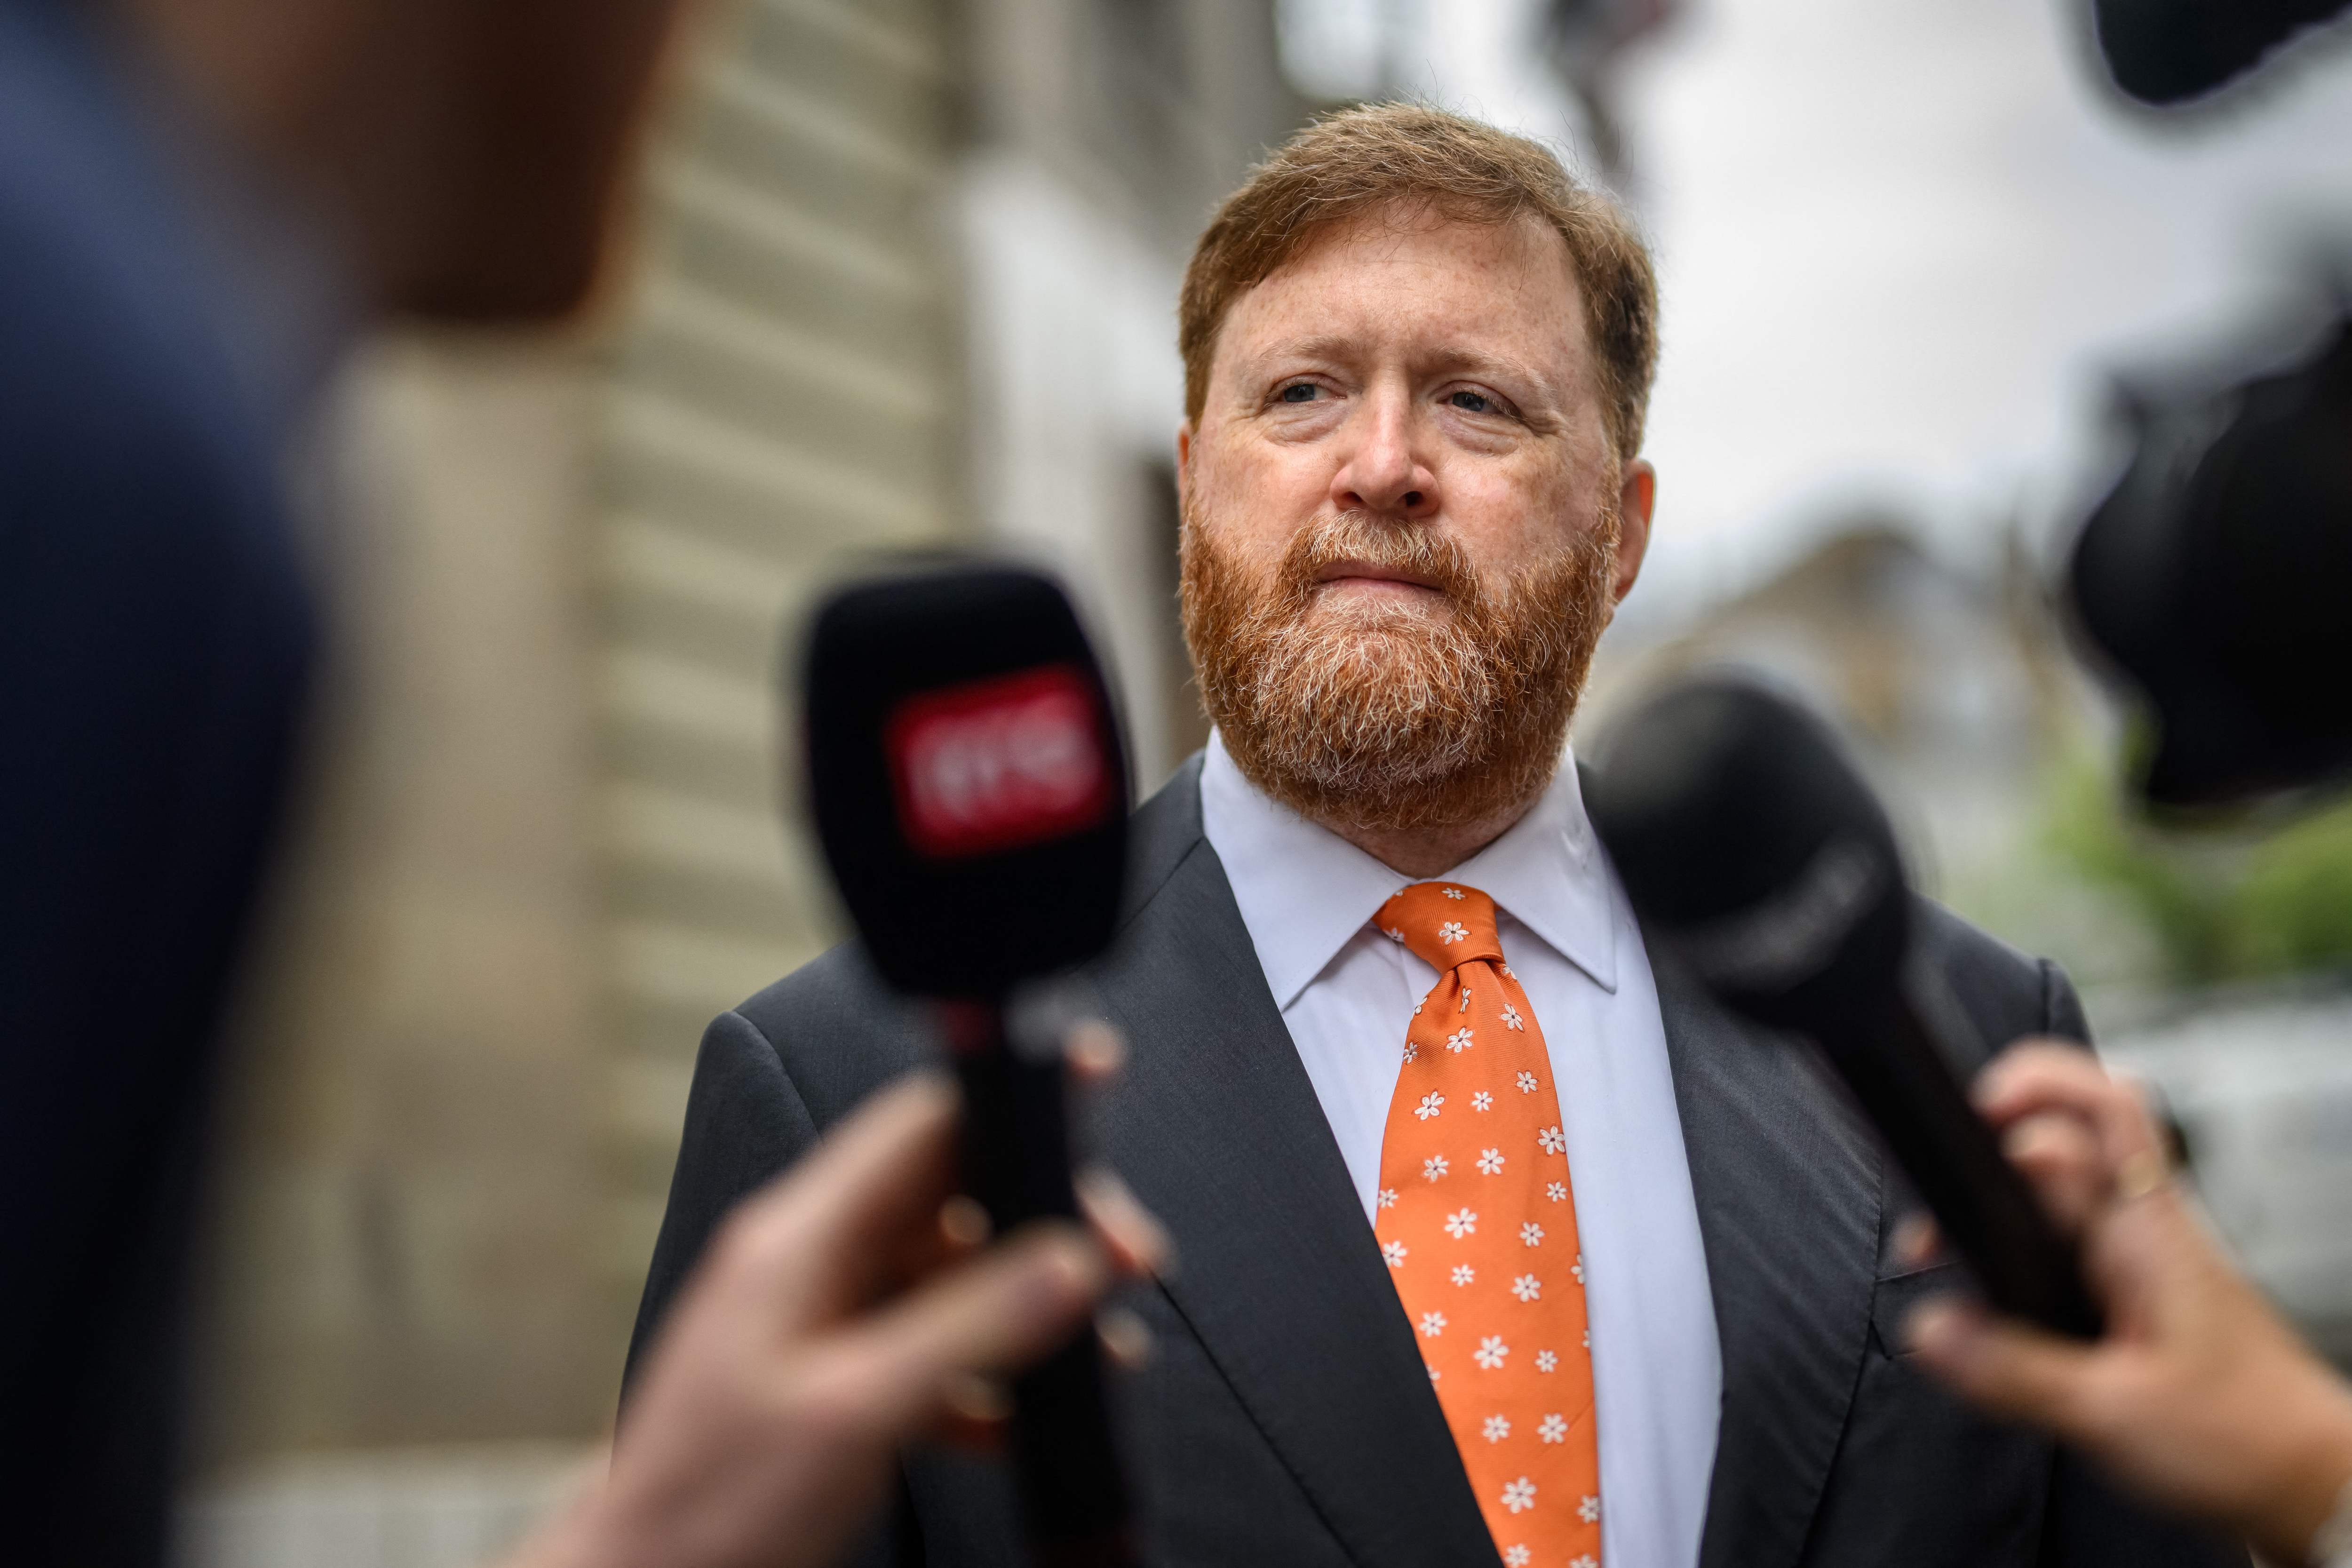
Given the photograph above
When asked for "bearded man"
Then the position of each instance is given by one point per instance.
(1495, 1244)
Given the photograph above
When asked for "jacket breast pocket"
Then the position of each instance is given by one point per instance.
(1892, 1299)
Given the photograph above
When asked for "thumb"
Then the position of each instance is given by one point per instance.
(997, 1313)
(2002, 1365)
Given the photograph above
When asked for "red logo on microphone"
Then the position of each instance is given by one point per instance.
(1000, 762)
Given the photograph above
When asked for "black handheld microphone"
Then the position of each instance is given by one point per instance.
(971, 794)
(1749, 845)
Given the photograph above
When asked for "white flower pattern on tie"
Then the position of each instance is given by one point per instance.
(1588, 1511)
(1473, 1037)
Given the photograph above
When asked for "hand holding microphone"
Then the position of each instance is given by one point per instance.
(836, 1318)
(971, 800)
(1754, 852)
(971, 794)
(2197, 1395)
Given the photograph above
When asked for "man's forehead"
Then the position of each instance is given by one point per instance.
(1420, 270)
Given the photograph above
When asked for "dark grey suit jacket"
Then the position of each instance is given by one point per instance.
(1287, 1418)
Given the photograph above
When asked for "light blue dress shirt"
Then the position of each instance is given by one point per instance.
(1308, 897)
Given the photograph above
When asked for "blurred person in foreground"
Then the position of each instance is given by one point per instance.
(201, 201)
(1495, 1243)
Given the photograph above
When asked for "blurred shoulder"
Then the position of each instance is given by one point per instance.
(836, 1030)
(2004, 993)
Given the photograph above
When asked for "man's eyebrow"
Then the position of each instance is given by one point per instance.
(1474, 361)
(1319, 345)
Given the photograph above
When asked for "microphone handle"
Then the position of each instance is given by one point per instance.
(1016, 1161)
(1888, 1054)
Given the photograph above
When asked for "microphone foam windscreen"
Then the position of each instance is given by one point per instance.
(1745, 838)
(966, 775)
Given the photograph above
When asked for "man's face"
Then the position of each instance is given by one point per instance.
(1404, 525)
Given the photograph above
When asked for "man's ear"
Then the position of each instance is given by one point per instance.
(1637, 494)
(1184, 459)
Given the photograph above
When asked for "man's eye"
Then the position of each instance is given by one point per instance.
(1473, 402)
(1298, 392)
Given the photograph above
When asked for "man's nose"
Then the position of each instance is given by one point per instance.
(1383, 472)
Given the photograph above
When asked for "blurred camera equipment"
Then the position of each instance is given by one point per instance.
(2167, 52)
(1757, 855)
(2215, 576)
(971, 793)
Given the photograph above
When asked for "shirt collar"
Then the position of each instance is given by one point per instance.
(1303, 892)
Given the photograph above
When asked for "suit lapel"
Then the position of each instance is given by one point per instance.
(1788, 1183)
(1217, 1127)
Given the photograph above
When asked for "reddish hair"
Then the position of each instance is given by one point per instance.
(1360, 160)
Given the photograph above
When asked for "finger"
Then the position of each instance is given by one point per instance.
(964, 1224)
(2035, 1080)
(1139, 1243)
(821, 1237)
(1916, 1241)
(1126, 1338)
(995, 1314)
(977, 1411)
(2152, 1262)
(2002, 1365)
(1095, 1051)
(2040, 1074)
(2059, 1153)
(2136, 1149)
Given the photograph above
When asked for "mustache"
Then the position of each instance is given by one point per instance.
(1436, 559)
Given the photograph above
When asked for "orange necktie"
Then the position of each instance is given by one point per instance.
(1478, 1225)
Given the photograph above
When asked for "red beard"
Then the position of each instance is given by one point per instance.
(1392, 716)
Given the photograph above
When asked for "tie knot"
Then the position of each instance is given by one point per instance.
(1445, 923)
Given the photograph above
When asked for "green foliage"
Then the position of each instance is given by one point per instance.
(2225, 903)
